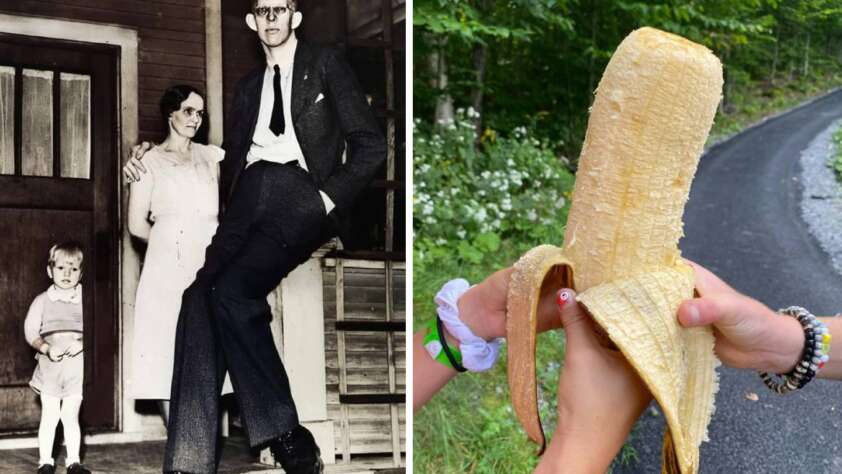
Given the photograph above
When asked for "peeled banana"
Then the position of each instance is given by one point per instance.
(653, 110)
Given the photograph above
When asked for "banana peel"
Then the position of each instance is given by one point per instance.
(653, 110)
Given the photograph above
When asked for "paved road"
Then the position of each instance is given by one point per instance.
(743, 222)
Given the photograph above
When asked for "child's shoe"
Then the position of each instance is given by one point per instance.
(77, 468)
(47, 469)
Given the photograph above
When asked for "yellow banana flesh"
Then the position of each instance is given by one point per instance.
(651, 116)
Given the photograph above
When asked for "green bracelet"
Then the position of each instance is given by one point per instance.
(433, 344)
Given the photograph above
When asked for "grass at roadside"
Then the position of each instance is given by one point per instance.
(764, 100)
(836, 160)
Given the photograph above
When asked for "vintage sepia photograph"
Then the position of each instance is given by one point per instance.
(203, 205)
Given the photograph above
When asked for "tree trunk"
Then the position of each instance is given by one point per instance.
(806, 69)
(726, 89)
(444, 103)
(775, 57)
(480, 56)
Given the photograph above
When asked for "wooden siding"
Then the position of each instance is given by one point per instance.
(366, 359)
(171, 47)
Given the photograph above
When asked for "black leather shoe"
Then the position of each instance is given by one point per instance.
(297, 452)
(77, 468)
(47, 469)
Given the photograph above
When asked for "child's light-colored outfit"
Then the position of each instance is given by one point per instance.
(53, 311)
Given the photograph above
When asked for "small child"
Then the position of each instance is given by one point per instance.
(53, 326)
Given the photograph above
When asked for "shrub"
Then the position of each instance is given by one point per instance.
(509, 188)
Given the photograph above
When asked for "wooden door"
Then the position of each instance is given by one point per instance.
(58, 181)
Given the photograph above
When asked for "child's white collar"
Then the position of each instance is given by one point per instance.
(70, 295)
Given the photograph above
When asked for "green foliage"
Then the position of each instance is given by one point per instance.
(508, 189)
(836, 161)
(545, 57)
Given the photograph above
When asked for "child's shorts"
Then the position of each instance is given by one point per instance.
(62, 379)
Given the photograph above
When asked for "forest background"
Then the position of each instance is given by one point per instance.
(501, 97)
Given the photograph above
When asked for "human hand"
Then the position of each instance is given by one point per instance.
(748, 333)
(55, 353)
(483, 307)
(133, 169)
(75, 348)
(600, 396)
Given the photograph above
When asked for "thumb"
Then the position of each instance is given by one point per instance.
(578, 326)
(704, 311)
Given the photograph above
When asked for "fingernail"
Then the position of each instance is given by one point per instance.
(693, 311)
(563, 298)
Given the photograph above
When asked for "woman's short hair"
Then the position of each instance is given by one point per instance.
(69, 249)
(174, 96)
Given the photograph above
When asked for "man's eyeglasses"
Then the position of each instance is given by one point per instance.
(276, 11)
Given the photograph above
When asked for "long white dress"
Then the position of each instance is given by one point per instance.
(184, 209)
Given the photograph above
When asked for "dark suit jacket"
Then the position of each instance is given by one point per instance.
(322, 127)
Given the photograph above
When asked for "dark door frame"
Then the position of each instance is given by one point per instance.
(99, 195)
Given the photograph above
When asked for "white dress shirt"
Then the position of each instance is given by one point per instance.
(282, 148)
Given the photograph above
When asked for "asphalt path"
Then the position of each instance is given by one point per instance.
(743, 222)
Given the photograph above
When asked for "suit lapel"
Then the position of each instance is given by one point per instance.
(301, 76)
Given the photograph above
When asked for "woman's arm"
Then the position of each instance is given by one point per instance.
(483, 310)
(749, 334)
(428, 376)
(140, 201)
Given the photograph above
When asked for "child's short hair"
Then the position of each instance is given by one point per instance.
(70, 249)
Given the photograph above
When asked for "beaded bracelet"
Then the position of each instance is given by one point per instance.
(439, 350)
(815, 356)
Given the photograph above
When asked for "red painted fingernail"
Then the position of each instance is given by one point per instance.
(563, 298)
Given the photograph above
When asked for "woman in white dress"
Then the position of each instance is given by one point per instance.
(174, 207)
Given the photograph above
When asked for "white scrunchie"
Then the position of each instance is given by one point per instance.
(478, 355)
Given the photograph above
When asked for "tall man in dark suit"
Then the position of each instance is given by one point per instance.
(286, 190)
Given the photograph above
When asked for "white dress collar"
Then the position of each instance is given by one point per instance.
(72, 295)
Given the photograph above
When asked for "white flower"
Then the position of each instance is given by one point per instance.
(440, 241)
(560, 202)
(460, 233)
(531, 215)
(480, 215)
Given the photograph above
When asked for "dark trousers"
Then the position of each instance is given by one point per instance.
(274, 221)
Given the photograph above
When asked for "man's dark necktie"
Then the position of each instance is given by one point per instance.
(277, 125)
